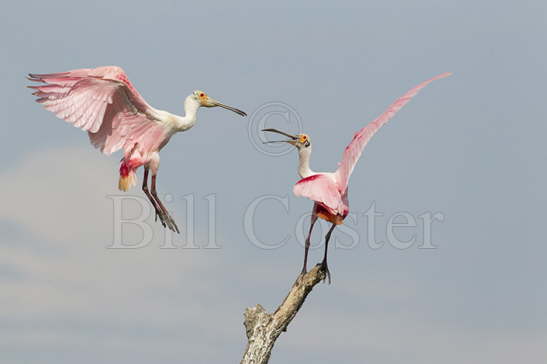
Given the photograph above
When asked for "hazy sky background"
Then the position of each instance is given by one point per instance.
(471, 147)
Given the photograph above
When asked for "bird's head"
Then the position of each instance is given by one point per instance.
(300, 141)
(204, 100)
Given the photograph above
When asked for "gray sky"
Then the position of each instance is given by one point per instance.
(470, 147)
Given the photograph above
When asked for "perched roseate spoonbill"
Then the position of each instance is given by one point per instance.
(329, 191)
(103, 102)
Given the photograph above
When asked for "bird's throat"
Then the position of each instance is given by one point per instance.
(189, 119)
(304, 163)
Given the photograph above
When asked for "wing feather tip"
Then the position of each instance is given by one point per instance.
(443, 75)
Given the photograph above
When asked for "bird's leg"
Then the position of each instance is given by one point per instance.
(169, 220)
(324, 265)
(158, 211)
(307, 244)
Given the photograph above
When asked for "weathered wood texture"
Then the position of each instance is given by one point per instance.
(264, 328)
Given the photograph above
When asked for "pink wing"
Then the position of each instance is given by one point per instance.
(323, 189)
(353, 151)
(103, 102)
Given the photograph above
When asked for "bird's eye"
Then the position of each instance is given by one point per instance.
(201, 94)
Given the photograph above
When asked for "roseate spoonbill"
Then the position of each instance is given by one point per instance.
(329, 190)
(103, 102)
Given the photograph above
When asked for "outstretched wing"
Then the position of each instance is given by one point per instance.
(353, 151)
(101, 101)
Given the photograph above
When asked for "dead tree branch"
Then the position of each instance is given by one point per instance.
(264, 328)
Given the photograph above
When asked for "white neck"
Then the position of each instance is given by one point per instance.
(191, 106)
(304, 162)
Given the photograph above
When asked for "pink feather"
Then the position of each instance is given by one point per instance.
(353, 151)
(105, 103)
(323, 189)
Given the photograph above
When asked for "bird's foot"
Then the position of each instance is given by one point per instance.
(171, 222)
(159, 214)
(325, 268)
(166, 220)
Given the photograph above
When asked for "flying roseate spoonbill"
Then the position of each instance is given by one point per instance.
(103, 102)
(329, 191)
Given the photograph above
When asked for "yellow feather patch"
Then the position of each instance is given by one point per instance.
(125, 183)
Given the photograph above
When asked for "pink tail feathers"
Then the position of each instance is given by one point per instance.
(128, 177)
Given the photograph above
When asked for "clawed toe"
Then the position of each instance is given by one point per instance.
(325, 268)
(166, 220)
(159, 214)
(172, 224)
